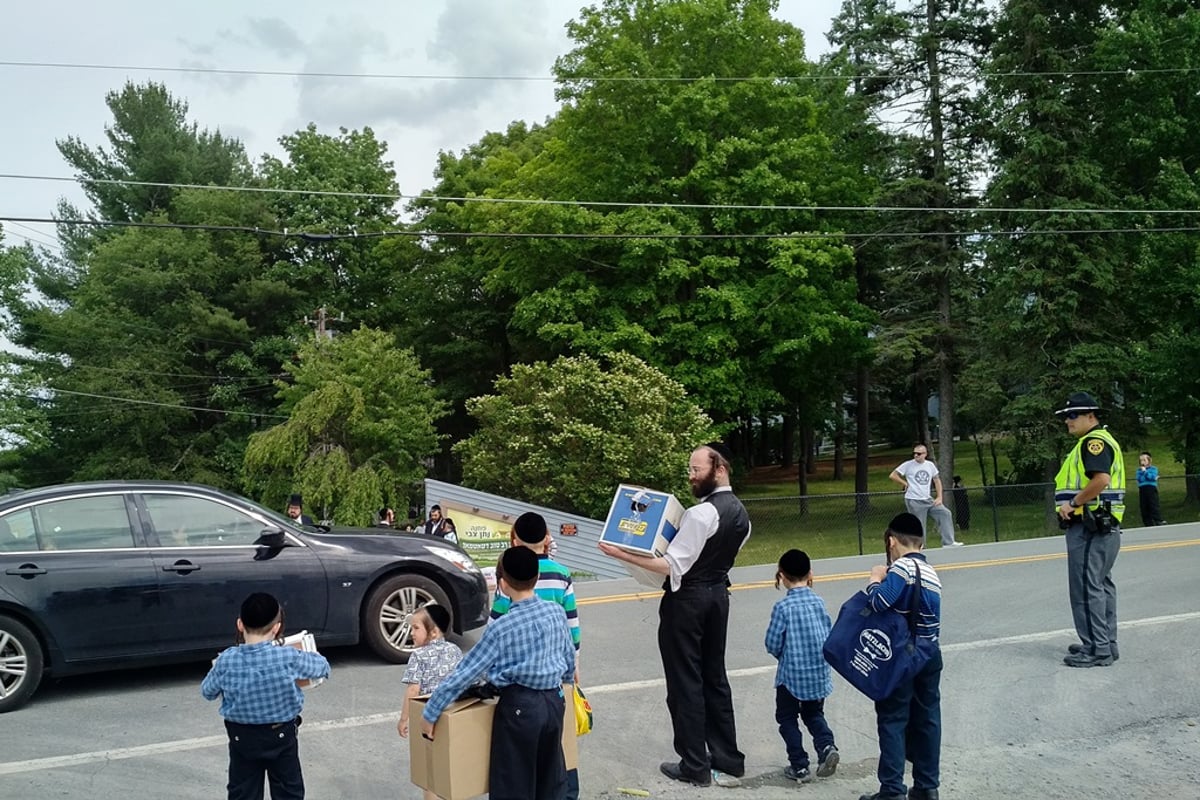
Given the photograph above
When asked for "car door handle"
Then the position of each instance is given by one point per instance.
(26, 571)
(182, 566)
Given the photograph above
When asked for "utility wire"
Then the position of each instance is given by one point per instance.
(819, 76)
(429, 234)
(152, 403)
(597, 203)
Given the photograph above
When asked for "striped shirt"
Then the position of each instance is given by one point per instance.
(554, 584)
(529, 646)
(257, 682)
(797, 632)
(897, 588)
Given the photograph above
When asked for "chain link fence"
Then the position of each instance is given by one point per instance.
(830, 525)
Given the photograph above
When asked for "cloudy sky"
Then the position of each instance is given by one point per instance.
(416, 117)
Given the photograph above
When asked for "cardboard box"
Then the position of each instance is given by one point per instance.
(455, 765)
(642, 521)
(303, 641)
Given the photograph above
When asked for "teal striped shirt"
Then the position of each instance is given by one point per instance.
(555, 585)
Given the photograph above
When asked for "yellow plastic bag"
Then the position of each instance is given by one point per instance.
(583, 713)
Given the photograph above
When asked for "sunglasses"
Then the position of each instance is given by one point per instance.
(918, 452)
(1075, 415)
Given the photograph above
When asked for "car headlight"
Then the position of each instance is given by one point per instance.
(458, 559)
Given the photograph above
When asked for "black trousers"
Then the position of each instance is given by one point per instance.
(1148, 501)
(693, 624)
(258, 750)
(527, 758)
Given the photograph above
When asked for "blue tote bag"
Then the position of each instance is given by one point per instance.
(875, 651)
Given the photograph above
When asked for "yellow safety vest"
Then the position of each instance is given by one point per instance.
(1071, 476)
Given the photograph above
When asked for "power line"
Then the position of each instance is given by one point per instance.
(818, 76)
(44, 239)
(153, 403)
(602, 203)
(431, 234)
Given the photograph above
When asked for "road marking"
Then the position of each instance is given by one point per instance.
(654, 594)
(201, 742)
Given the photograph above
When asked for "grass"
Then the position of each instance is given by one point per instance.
(827, 524)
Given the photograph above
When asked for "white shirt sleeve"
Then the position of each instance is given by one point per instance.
(698, 525)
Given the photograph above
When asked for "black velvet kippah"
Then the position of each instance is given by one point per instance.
(259, 610)
(721, 450)
(530, 527)
(795, 564)
(439, 616)
(906, 524)
(519, 564)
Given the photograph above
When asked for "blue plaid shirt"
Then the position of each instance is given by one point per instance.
(257, 682)
(530, 646)
(797, 632)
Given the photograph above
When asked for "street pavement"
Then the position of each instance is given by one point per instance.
(1017, 722)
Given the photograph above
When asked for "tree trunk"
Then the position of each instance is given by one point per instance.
(839, 439)
(788, 447)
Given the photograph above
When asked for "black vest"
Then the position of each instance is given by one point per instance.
(717, 557)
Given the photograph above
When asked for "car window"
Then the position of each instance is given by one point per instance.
(183, 521)
(98, 522)
(16, 532)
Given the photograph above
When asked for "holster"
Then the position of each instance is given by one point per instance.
(1099, 522)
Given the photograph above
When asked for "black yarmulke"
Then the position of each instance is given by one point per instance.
(721, 450)
(530, 527)
(439, 616)
(259, 610)
(906, 524)
(519, 564)
(795, 564)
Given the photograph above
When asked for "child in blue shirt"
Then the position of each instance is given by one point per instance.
(261, 702)
(797, 632)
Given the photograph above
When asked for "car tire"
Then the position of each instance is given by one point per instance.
(21, 664)
(387, 620)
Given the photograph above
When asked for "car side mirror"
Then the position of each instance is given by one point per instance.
(271, 537)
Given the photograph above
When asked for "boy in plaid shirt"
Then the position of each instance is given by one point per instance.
(797, 632)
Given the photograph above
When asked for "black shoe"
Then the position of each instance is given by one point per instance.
(882, 796)
(672, 770)
(922, 794)
(1087, 660)
(1077, 649)
(801, 775)
(828, 763)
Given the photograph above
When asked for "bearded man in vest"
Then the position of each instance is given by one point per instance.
(1090, 493)
(694, 621)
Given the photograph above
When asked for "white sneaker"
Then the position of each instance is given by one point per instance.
(953, 544)
(725, 780)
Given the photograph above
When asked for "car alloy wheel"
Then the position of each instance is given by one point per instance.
(388, 620)
(20, 664)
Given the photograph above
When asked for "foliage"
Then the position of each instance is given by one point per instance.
(361, 422)
(564, 434)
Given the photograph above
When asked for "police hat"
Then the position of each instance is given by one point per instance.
(1078, 402)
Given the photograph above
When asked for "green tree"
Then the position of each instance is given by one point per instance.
(362, 417)
(564, 434)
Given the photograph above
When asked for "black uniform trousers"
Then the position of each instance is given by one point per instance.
(258, 750)
(693, 624)
(527, 757)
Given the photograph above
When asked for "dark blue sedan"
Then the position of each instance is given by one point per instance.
(97, 576)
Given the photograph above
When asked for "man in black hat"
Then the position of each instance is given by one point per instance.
(694, 621)
(1090, 493)
(295, 510)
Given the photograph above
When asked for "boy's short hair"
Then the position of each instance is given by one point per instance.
(531, 528)
(906, 528)
(438, 616)
(795, 565)
(519, 568)
(259, 612)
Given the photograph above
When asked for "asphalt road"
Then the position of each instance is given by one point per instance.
(1017, 723)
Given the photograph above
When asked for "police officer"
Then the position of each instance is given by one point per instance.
(1090, 493)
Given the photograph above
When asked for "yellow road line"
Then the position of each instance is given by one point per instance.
(848, 576)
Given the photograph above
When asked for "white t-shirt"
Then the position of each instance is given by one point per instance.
(920, 478)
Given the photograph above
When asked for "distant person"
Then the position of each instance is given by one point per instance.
(554, 584)
(528, 655)
(1147, 479)
(919, 477)
(1090, 492)
(295, 510)
(797, 632)
(261, 702)
(909, 720)
(429, 664)
(385, 518)
(962, 504)
(436, 524)
(693, 622)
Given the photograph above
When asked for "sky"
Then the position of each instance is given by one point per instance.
(417, 118)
